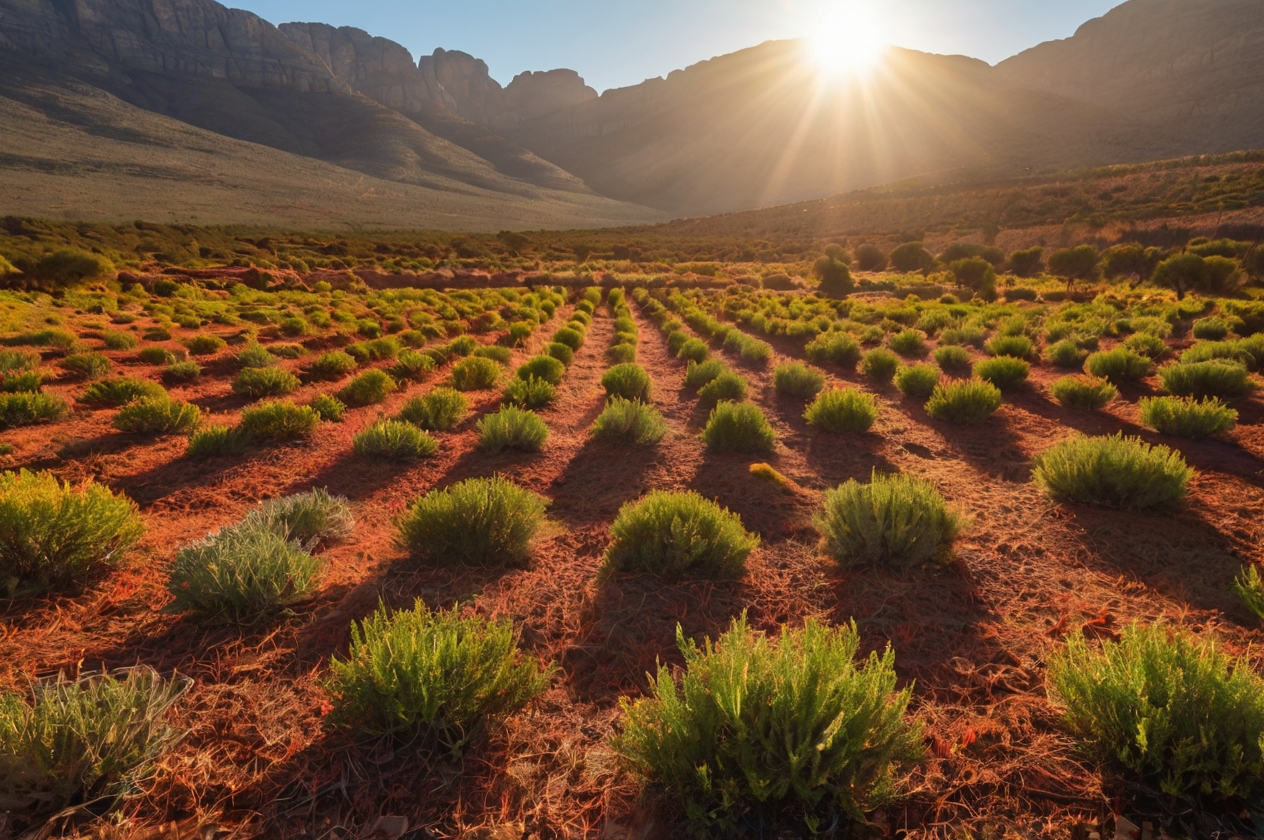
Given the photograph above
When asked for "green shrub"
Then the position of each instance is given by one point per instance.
(243, 574)
(1250, 588)
(917, 381)
(1214, 328)
(835, 348)
(795, 379)
(17, 361)
(512, 428)
(628, 381)
(1016, 346)
(967, 402)
(694, 350)
(1222, 351)
(1117, 471)
(112, 393)
(157, 356)
(738, 427)
(438, 411)
(756, 728)
(728, 386)
(328, 408)
(529, 393)
(561, 352)
(157, 416)
(1087, 392)
(53, 534)
(414, 366)
(1165, 708)
(673, 534)
(212, 441)
(951, 357)
(751, 351)
(369, 388)
(94, 739)
(394, 440)
(89, 365)
(842, 410)
(701, 374)
(436, 677)
(629, 421)
(204, 345)
(482, 521)
(1065, 354)
(28, 409)
(1186, 416)
(331, 366)
(177, 372)
(1120, 366)
(29, 382)
(254, 383)
(119, 340)
(544, 368)
(279, 421)
(519, 332)
(1005, 372)
(572, 338)
(255, 355)
(621, 354)
(499, 355)
(1203, 380)
(896, 520)
(1146, 344)
(909, 343)
(880, 364)
(676, 340)
(309, 518)
(475, 374)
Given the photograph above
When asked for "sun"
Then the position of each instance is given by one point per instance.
(848, 41)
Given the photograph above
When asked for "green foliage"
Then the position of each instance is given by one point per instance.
(738, 427)
(708, 739)
(967, 402)
(512, 428)
(1121, 366)
(728, 386)
(700, 374)
(1186, 416)
(619, 354)
(1066, 354)
(187, 371)
(255, 383)
(94, 739)
(53, 534)
(572, 338)
(629, 381)
(328, 408)
(475, 374)
(28, 409)
(89, 365)
(629, 421)
(243, 574)
(112, 393)
(1073, 264)
(1005, 372)
(1213, 328)
(529, 393)
(309, 518)
(1203, 380)
(880, 364)
(896, 520)
(331, 366)
(414, 366)
(561, 352)
(154, 355)
(255, 355)
(834, 276)
(674, 534)
(751, 351)
(1250, 588)
(1146, 344)
(795, 379)
(204, 345)
(911, 257)
(438, 411)
(834, 348)
(1118, 471)
(481, 522)
(976, 273)
(1185, 273)
(952, 358)
(842, 411)
(394, 440)
(544, 368)
(369, 388)
(693, 350)
(909, 343)
(212, 441)
(917, 381)
(1087, 392)
(1168, 709)
(279, 421)
(157, 416)
(1027, 262)
(1017, 346)
(69, 267)
(119, 340)
(440, 677)
(29, 382)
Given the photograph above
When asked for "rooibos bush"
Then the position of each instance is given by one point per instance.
(53, 534)
(331, 366)
(1016, 346)
(701, 374)
(112, 393)
(255, 355)
(512, 428)
(727, 386)
(842, 410)
(27, 409)
(795, 379)
(835, 348)
(529, 393)
(438, 411)
(965, 403)
(204, 345)
(545, 368)
(1005, 372)
(693, 350)
(909, 343)
(1120, 366)
(435, 676)
(414, 366)
(157, 416)
(482, 521)
(738, 427)
(917, 381)
(87, 365)
(1065, 354)
(1168, 709)
(569, 336)
(395, 440)
(561, 352)
(475, 374)
(328, 408)
(369, 388)
(1202, 380)
(1087, 392)
(1113, 471)
(896, 520)
(180, 372)
(952, 358)
(706, 739)
(629, 421)
(279, 421)
(672, 534)
(628, 381)
(308, 518)
(1186, 416)
(211, 441)
(880, 364)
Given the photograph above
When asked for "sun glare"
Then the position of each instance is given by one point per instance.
(848, 41)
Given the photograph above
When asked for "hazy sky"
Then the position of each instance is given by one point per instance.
(613, 43)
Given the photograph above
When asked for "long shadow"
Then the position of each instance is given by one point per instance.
(164, 479)
(990, 446)
(585, 492)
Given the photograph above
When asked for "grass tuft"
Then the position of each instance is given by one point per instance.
(279, 422)
(917, 381)
(369, 388)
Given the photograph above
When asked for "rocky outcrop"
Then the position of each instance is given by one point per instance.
(533, 95)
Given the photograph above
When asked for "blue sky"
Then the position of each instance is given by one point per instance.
(613, 43)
